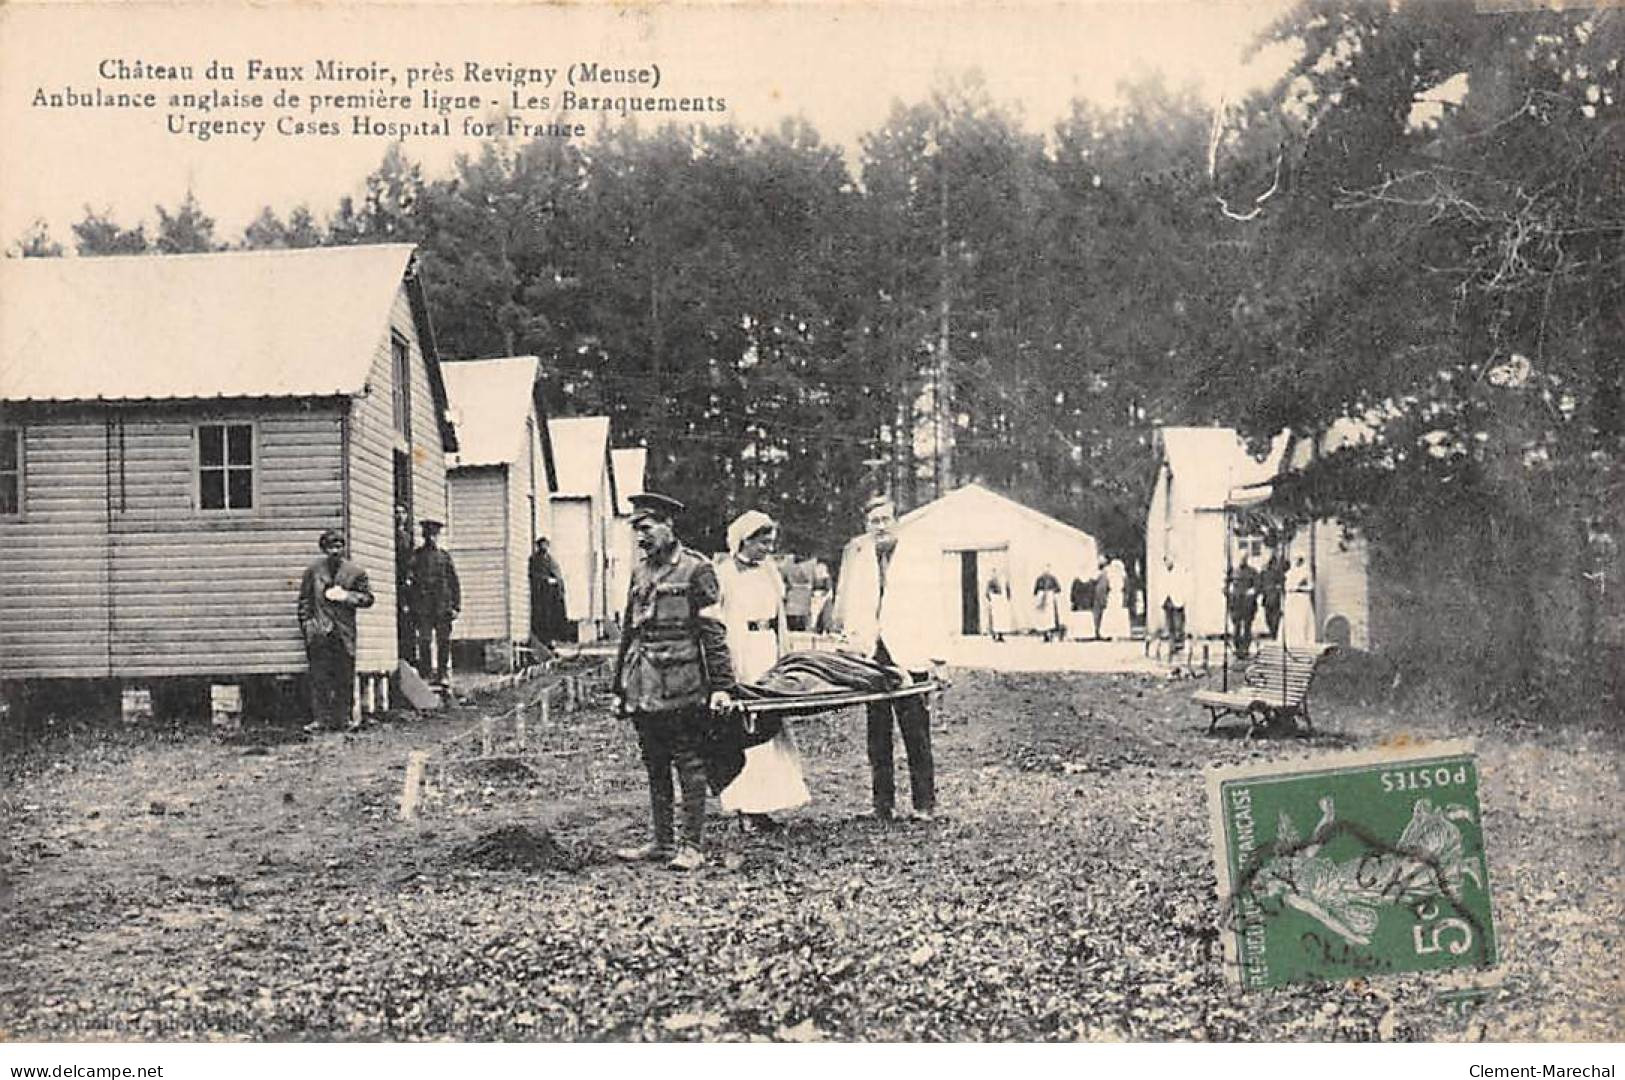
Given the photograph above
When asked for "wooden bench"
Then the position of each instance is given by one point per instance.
(1274, 690)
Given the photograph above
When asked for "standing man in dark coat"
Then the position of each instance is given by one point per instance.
(332, 589)
(672, 671)
(1097, 598)
(546, 598)
(437, 597)
(1243, 606)
(1273, 585)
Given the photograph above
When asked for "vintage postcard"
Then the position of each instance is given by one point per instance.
(446, 447)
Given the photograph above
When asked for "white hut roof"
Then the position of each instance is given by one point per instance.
(960, 500)
(490, 400)
(580, 444)
(1212, 466)
(629, 464)
(286, 323)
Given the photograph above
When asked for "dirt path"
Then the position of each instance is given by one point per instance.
(181, 888)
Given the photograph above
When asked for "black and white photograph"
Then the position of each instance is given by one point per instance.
(768, 523)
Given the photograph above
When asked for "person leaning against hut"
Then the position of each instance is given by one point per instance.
(437, 597)
(754, 613)
(889, 607)
(332, 589)
(547, 615)
(672, 670)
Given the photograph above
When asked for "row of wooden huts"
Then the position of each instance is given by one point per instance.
(175, 431)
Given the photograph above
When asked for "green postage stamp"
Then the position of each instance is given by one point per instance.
(1352, 865)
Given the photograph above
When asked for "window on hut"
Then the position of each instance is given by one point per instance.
(402, 356)
(225, 466)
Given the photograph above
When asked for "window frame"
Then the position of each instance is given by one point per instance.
(226, 467)
(400, 380)
(19, 435)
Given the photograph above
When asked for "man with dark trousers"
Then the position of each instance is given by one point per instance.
(888, 607)
(672, 671)
(1243, 606)
(437, 597)
(332, 590)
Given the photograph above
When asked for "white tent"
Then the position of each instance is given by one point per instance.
(976, 532)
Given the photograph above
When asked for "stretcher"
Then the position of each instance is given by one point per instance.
(812, 704)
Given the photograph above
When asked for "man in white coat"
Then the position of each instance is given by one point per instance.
(887, 607)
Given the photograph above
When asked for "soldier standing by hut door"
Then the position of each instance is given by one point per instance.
(437, 596)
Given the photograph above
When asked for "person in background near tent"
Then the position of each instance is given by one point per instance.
(1298, 625)
(1081, 605)
(671, 671)
(889, 608)
(1115, 622)
(1047, 599)
(332, 589)
(820, 615)
(753, 611)
(437, 597)
(546, 600)
(1173, 604)
(798, 594)
(1243, 605)
(1099, 593)
(999, 613)
(1272, 585)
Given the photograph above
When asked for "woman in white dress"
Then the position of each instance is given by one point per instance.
(1298, 620)
(999, 615)
(1114, 624)
(752, 602)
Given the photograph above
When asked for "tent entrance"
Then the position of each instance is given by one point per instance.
(965, 575)
(970, 595)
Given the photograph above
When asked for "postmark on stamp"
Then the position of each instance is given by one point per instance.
(1352, 865)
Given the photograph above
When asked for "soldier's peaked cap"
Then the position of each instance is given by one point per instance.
(653, 504)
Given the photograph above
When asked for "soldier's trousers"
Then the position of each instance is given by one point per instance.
(434, 648)
(673, 740)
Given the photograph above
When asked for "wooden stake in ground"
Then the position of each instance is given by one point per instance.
(412, 787)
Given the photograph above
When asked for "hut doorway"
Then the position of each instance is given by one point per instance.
(405, 632)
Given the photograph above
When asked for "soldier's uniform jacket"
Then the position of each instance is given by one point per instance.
(674, 649)
(436, 592)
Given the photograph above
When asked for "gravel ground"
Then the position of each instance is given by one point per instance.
(174, 885)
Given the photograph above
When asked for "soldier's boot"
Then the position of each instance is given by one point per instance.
(650, 852)
(687, 858)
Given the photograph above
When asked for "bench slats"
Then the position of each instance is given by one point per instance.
(1274, 686)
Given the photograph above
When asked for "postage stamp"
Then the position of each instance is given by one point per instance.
(1352, 865)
